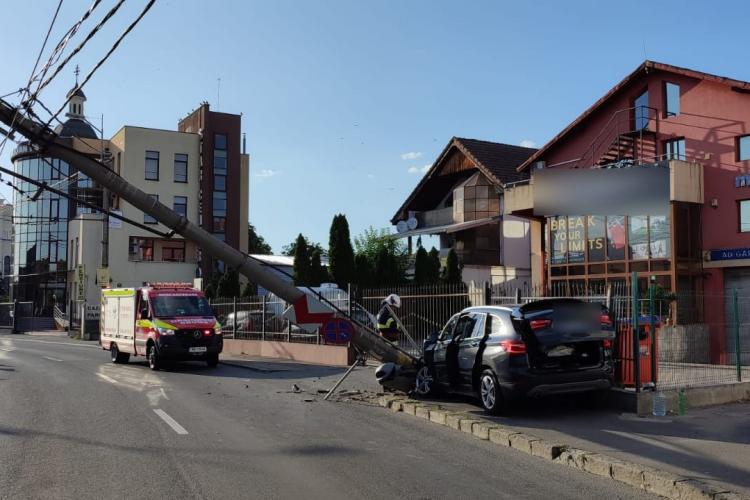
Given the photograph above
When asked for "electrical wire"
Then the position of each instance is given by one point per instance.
(81, 45)
(57, 52)
(104, 59)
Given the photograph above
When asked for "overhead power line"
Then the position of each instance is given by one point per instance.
(81, 45)
(103, 59)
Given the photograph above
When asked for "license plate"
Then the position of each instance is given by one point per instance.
(196, 350)
(560, 351)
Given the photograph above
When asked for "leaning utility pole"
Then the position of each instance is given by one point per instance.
(305, 310)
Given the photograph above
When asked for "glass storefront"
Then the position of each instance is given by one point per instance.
(593, 251)
(41, 234)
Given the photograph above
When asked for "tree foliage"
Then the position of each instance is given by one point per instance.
(452, 271)
(290, 249)
(340, 252)
(229, 284)
(318, 273)
(386, 256)
(256, 243)
(302, 276)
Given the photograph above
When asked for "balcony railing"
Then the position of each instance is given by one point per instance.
(437, 217)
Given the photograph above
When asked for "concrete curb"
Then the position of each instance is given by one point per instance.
(654, 481)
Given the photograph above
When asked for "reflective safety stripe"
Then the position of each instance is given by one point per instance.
(164, 324)
(144, 323)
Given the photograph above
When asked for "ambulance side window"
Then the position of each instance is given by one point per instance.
(144, 314)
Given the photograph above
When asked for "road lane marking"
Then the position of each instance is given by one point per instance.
(6, 349)
(51, 358)
(170, 421)
(97, 346)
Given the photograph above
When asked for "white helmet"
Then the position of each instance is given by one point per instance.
(393, 300)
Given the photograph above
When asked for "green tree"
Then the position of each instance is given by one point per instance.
(256, 243)
(340, 252)
(452, 271)
(434, 268)
(229, 284)
(421, 267)
(318, 273)
(362, 270)
(302, 275)
(388, 268)
(290, 249)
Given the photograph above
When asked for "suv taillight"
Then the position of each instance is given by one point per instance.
(607, 343)
(538, 324)
(606, 321)
(514, 347)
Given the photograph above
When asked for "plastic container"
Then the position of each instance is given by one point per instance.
(660, 404)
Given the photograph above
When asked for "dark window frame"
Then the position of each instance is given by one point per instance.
(174, 248)
(176, 162)
(738, 148)
(739, 216)
(143, 242)
(175, 205)
(146, 159)
(670, 156)
(665, 91)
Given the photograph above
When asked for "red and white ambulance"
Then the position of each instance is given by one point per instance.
(165, 322)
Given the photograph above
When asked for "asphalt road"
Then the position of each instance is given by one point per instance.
(73, 425)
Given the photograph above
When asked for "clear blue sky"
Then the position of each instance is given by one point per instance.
(344, 102)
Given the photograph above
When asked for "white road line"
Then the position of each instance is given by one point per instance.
(51, 358)
(97, 346)
(6, 349)
(108, 379)
(170, 421)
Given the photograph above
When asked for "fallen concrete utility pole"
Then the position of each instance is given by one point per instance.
(306, 311)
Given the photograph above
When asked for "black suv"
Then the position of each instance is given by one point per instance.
(553, 346)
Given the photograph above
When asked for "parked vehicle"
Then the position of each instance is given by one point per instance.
(245, 321)
(165, 322)
(501, 353)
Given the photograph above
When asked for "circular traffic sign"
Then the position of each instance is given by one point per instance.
(337, 331)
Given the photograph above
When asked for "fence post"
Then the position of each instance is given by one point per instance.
(518, 295)
(654, 337)
(288, 326)
(736, 321)
(263, 318)
(634, 331)
(234, 311)
(487, 293)
(15, 314)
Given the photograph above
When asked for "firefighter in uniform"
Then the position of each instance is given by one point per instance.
(387, 324)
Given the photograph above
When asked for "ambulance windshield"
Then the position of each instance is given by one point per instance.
(170, 306)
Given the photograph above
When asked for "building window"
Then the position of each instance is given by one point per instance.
(671, 99)
(6, 265)
(744, 215)
(220, 182)
(173, 251)
(180, 205)
(640, 110)
(674, 149)
(220, 141)
(220, 225)
(180, 167)
(743, 148)
(220, 204)
(141, 249)
(147, 219)
(220, 162)
(152, 165)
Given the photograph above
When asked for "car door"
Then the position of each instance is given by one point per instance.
(469, 346)
(464, 327)
(436, 354)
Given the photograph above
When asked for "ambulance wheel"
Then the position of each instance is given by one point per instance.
(117, 356)
(153, 358)
(212, 360)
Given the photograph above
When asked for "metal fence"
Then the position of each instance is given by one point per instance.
(424, 308)
(683, 340)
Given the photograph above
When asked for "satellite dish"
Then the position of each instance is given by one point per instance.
(412, 223)
(402, 227)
